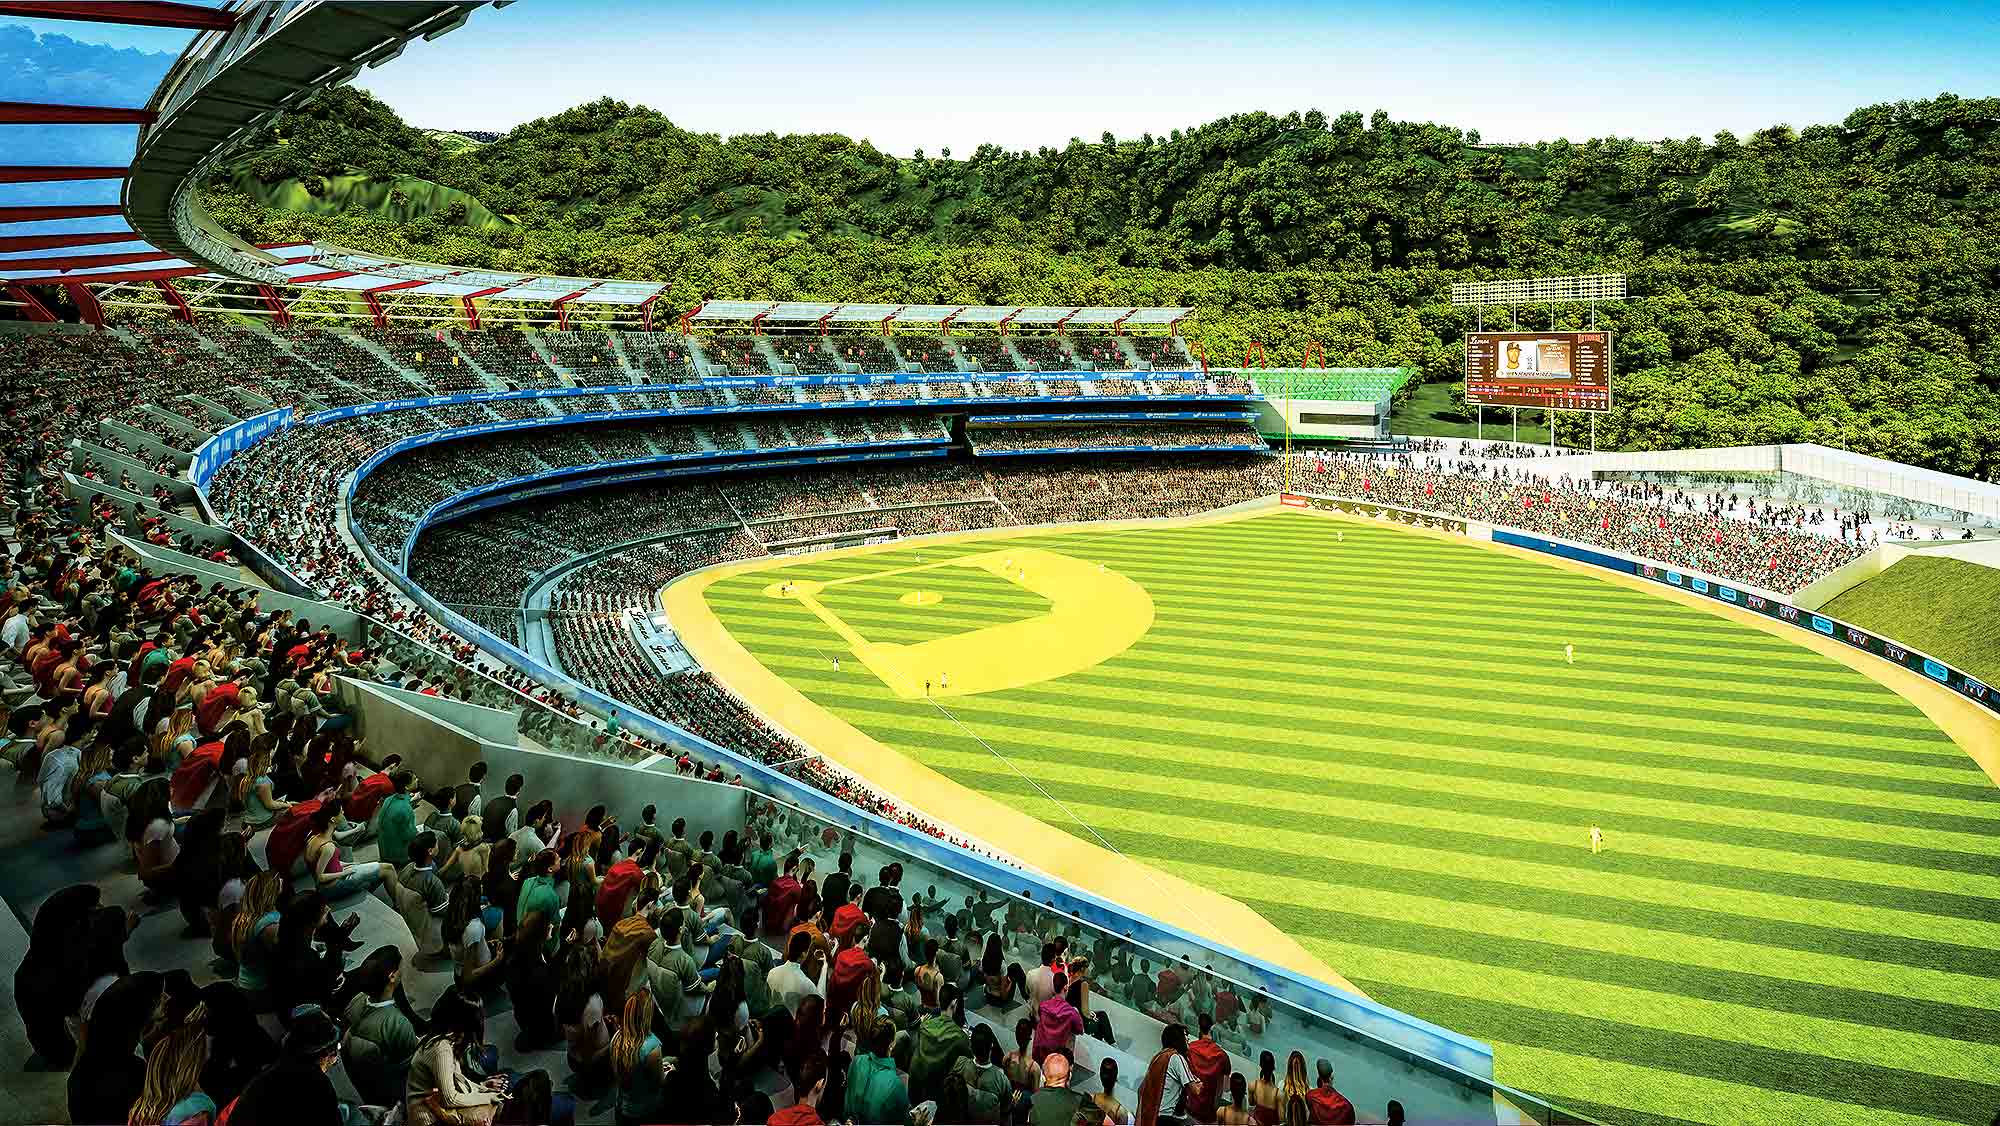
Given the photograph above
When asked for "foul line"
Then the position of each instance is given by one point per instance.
(1144, 869)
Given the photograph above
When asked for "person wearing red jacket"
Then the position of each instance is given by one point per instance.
(1329, 1107)
(851, 966)
(849, 920)
(621, 883)
(1210, 1064)
(781, 899)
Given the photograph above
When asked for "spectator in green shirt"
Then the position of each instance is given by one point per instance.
(763, 862)
(396, 823)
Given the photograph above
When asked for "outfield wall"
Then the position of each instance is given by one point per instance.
(1763, 602)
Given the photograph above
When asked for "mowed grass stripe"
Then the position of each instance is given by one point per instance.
(1865, 1087)
(1352, 759)
(1114, 689)
(1445, 674)
(1700, 825)
(1842, 885)
(1766, 915)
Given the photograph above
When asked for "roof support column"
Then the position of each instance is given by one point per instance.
(86, 304)
(646, 311)
(181, 311)
(279, 313)
(31, 306)
(375, 309)
(471, 312)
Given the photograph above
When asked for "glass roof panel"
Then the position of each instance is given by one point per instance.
(61, 193)
(135, 246)
(107, 224)
(111, 145)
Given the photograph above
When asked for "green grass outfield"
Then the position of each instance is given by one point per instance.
(1376, 743)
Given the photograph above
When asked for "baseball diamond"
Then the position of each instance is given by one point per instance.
(1371, 737)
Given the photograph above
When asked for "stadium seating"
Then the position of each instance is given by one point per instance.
(1112, 437)
(1160, 353)
(805, 354)
(659, 357)
(984, 350)
(736, 355)
(871, 353)
(1045, 353)
(284, 493)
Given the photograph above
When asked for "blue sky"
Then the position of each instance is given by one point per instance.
(1022, 75)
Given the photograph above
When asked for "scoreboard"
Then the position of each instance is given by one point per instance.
(1565, 371)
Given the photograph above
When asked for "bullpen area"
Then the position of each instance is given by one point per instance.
(1375, 738)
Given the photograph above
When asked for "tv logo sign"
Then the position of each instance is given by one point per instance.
(1823, 625)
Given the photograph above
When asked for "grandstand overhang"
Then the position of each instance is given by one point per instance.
(117, 230)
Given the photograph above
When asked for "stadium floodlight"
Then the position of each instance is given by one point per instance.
(1534, 291)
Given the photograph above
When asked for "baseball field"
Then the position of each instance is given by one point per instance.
(1374, 739)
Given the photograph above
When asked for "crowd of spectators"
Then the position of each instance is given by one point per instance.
(1101, 353)
(870, 352)
(982, 351)
(736, 355)
(590, 358)
(1043, 353)
(1113, 436)
(661, 357)
(1770, 549)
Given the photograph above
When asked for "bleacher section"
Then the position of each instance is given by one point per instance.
(1045, 353)
(871, 353)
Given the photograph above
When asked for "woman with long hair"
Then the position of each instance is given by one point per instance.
(469, 853)
(86, 794)
(475, 953)
(808, 1038)
(172, 1095)
(256, 790)
(254, 937)
(1294, 1108)
(333, 876)
(439, 1090)
(581, 1009)
(638, 1062)
(1264, 1089)
(1023, 1070)
(866, 1012)
(1164, 1093)
(993, 972)
(1237, 1111)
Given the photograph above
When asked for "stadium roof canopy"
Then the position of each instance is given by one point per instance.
(97, 194)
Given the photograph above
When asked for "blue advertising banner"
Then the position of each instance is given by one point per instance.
(1115, 416)
(655, 390)
(1258, 448)
(234, 440)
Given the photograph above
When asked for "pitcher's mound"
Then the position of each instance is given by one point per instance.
(921, 598)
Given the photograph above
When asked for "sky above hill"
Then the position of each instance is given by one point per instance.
(1026, 74)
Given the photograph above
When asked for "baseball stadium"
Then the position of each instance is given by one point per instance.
(604, 623)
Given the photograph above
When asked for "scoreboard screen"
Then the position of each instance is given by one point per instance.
(1565, 371)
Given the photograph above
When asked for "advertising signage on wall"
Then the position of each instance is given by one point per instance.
(1566, 371)
(1967, 686)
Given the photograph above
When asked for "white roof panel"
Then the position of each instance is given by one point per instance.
(799, 312)
(1042, 315)
(984, 314)
(1099, 316)
(731, 310)
(871, 314)
(1157, 316)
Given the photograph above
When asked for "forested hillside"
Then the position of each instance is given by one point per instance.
(1838, 284)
